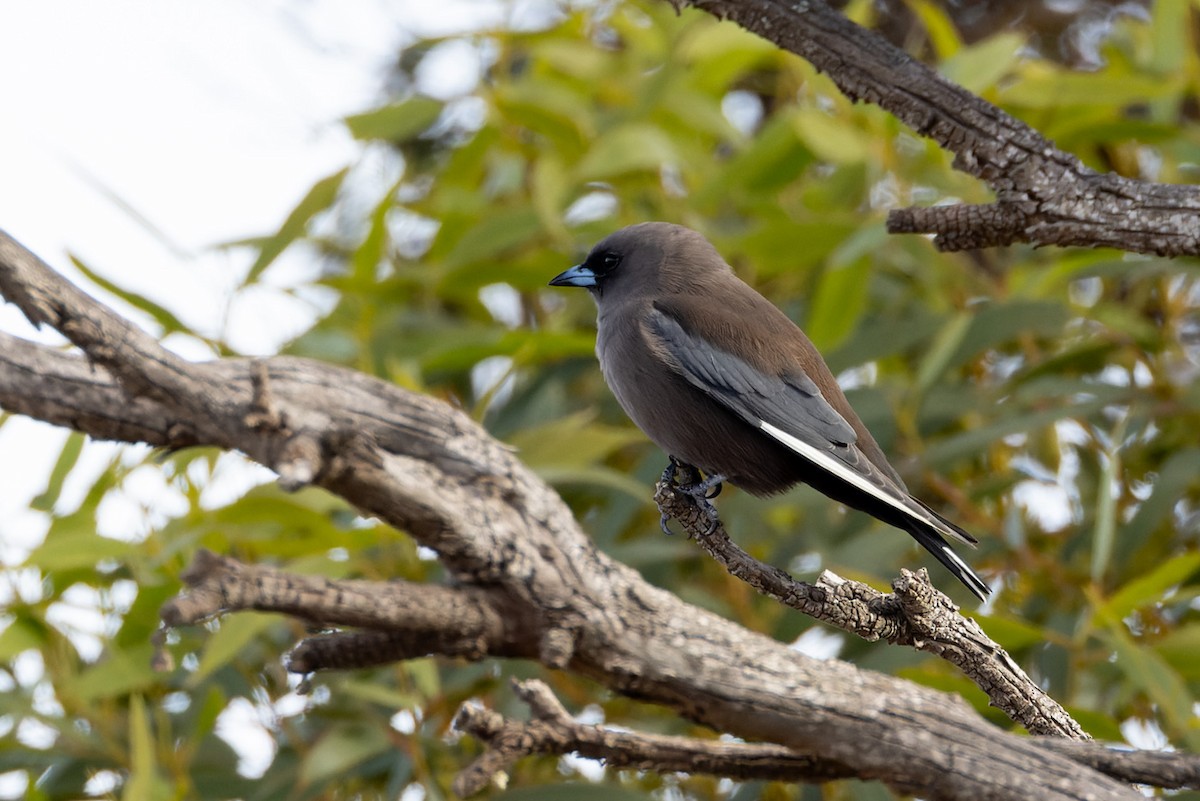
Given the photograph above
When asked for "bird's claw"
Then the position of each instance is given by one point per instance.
(699, 488)
(706, 489)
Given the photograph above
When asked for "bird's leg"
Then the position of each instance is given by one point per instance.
(694, 483)
(669, 478)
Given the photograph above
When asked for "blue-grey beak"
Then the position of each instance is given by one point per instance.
(578, 275)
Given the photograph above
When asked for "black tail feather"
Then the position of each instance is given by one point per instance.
(937, 545)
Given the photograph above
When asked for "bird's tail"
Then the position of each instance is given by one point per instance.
(936, 544)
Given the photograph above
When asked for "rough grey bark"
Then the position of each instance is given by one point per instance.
(1043, 195)
(528, 581)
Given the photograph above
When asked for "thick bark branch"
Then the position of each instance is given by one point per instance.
(417, 619)
(1044, 195)
(426, 468)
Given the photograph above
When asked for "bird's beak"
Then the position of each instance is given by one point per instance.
(578, 275)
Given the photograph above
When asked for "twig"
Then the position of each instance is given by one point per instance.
(917, 614)
(553, 731)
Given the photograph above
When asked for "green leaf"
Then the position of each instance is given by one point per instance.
(425, 676)
(982, 65)
(145, 783)
(319, 197)
(21, 635)
(67, 458)
(1010, 633)
(945, 345)
(973, 441)
(1106, 513)
(595, 476)
(719, 55)
(831, 138)
(773, 159)
(340, 749)
(1049, 87)
(208, 711)
(370, 253)
(73, 543)
(1180, 649)
(396, 122)
(1147, 670)
(230, 641)
(1174, 478)
(938, 27)
(573, 791)
(1171, 22)
(997, 324)
(119, 673)
(838, 303)
(169, 322)
(632, 147)
(548, 189)
(1153, 586)
(385, 697)
(487, 239)
(575, 439)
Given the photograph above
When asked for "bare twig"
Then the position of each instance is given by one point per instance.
(552, 731)
(916, 615)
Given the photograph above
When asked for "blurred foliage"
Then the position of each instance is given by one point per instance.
(1046, 399)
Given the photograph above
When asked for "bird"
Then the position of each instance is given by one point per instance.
(728, 386)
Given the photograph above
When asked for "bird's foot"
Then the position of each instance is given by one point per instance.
(699, 488)
(706, 489)
(693, 482)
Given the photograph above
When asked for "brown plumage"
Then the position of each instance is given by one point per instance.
(722, 380)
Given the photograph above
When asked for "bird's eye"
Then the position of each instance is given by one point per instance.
(610, 261)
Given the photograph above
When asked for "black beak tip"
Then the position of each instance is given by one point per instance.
(576, 276)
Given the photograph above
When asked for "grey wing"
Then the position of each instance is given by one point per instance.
(792, 411)
(792, 403)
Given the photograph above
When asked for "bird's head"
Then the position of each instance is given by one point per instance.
(647, 259)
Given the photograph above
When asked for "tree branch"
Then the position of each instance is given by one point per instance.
(1044, 195)
(427, 469)
(917, 615)
(552, 730)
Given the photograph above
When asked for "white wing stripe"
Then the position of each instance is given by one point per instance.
(839, 469)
